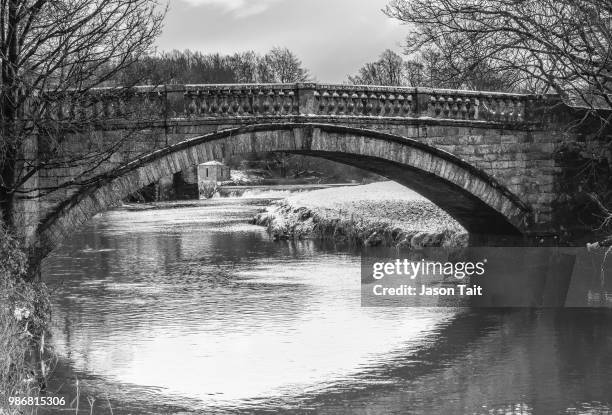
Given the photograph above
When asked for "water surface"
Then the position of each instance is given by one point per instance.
(194, 309)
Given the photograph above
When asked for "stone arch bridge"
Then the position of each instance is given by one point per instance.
(486, 158)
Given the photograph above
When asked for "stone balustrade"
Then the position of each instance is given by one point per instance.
(287, 100)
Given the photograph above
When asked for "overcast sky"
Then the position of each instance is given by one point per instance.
(333, 38)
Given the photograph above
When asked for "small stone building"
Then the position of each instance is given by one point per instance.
(213, 171)
(209, 175)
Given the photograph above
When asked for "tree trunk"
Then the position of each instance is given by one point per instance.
(9, 102)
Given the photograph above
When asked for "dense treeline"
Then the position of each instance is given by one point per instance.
(191, 67)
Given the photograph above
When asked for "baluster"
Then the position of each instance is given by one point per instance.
(225, 105)
(215, 102)
(327, 104)
(287, 101)
(274, 104)
(410, 106)
(317, 101)
(263, 102)
(335, 103)
(266, 105)
(469, 108)
(247, 100)
(450, 103)
(295, 103)
(431, 106)
(461, 110)
(398, 105)
(375, 101)
(443, 107)
(389, 104)
(343, 105)
(352, 104)
(280, 101)
(203, 102)
(440, 106)
(255, 108)
(380, 104)
(369, 107)
(362, 104)
(235, 102)
(324, 106)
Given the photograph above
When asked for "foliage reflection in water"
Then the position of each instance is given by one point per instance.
(193, 308)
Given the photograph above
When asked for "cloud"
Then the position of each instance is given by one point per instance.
(239, 8)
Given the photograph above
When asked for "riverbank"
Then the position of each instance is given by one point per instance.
(24, 323)
(377, 214)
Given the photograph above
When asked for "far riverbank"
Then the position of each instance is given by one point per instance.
(377, 214)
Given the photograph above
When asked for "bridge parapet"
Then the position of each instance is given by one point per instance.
(298, 99)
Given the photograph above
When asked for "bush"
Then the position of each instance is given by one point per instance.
(24, 316)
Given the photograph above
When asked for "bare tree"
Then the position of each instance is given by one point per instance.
(558, 46)
(281, 65)
(388, 70)
(244, 66)
(60, 49)
(563, 46)
(431, 67)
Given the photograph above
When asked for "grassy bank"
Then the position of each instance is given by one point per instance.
(378, 214)
(24, 316)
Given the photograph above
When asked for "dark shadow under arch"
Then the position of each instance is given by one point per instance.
(475, 199)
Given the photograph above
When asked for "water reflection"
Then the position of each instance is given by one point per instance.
(193, 308)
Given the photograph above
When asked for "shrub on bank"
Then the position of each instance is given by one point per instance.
(286, 221)
(24, 316)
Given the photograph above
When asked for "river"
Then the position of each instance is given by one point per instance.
(194, 310)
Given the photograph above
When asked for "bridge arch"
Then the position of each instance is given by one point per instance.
(475, 199)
